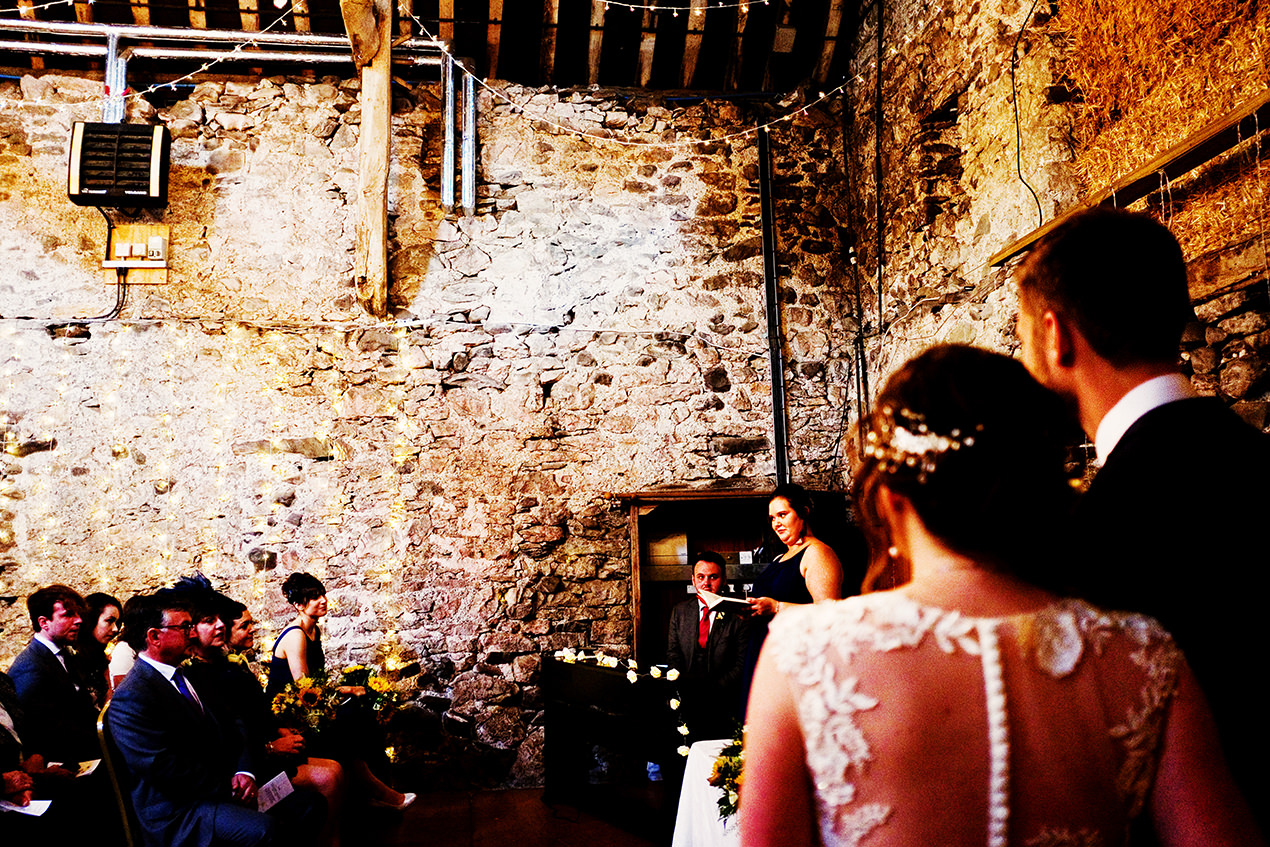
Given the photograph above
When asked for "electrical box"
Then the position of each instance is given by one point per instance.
(123, 166)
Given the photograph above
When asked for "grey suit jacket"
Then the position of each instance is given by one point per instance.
(724, 657)
(61, 722)
(179, 761)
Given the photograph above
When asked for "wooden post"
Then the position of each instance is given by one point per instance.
(370, 262)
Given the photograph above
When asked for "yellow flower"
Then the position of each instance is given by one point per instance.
(304, 682)
(379, 684)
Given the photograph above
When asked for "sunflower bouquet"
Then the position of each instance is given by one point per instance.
(382, 697)
(309, 703)
(726, 775)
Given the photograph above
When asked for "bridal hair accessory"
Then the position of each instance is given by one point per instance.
(901, 440)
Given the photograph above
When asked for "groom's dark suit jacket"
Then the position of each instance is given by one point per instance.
(1176, 524)
(61, 722)
(180, 761)
(713, 675)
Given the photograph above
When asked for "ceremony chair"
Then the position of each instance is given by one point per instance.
(114, 765)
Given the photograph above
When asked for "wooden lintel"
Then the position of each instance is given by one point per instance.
(370, 262)
(1214, 139)
(647, 46)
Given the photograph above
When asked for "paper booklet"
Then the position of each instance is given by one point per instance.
(732, 604)
(273, 791)
(36, 808)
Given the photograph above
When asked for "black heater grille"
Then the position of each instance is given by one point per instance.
(119, 165)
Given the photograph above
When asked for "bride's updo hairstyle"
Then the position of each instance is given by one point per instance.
(302, 588)
(975, 444)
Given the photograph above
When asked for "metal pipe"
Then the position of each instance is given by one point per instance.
(776, 358)
(113, 105)
(93, 50)
(447, 147)
(469, 143)
(152, 33)
(96, 50)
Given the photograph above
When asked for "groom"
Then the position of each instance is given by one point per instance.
(1174, 523)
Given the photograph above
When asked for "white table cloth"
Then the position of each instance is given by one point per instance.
(697, 822)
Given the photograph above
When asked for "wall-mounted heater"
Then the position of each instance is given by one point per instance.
(123, 166)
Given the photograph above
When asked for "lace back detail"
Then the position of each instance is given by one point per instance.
(817, 647)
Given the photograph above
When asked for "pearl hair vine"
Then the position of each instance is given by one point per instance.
(902, 441)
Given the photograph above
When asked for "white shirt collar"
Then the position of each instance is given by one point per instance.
(166, 670)
(1141, 399)
(48, 642)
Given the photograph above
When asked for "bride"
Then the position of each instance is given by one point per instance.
(971, 706)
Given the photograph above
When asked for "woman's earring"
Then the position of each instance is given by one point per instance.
(893, 551)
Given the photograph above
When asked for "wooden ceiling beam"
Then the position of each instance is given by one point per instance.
(547, 52)
(249, 14)
(494, 30)
(831, 41)
(596, 42)
(647, 44)
(140, 12)
(692, 41)
(445, 22)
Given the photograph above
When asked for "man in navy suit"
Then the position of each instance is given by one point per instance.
(708, 648)
(1174, 522)
(61, 721)
(189, 773)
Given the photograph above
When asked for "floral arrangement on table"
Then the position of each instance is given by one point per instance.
(570, 656)
(313, 701)
(726, 775)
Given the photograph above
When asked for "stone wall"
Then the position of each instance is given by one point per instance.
(953, 146)
(597, 327)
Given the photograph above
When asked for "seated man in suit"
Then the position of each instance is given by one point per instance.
(188, 771)
(708, 648)
(61, 721)
(1173, 523)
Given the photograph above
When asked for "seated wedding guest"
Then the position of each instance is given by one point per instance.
(807, 572)
(188, 770)
(100, 626)
(122, 656)
(25, 776)
(61, 720)
(238, 693)
(971, 706)
(296, 653)
(708, 648)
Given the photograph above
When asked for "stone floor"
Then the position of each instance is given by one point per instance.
(492, 819)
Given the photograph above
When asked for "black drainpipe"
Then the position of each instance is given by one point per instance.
(775, 358)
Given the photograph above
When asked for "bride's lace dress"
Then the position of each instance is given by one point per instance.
(925, 726)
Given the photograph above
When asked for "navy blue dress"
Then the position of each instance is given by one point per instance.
(783, 582)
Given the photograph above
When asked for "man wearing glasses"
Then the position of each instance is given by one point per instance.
(188, 772)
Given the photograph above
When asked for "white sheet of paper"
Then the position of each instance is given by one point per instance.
(713, 600)
(273, 791)
(36, 808)
(85, 768)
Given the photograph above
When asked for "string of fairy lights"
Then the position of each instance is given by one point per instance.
(539, 119)
(164, 538)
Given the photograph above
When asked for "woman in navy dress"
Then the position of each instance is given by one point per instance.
(808, 572)
(298, 653)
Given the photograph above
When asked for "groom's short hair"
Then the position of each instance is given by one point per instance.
(1120, 277)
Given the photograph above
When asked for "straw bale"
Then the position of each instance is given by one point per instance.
(1150, 75)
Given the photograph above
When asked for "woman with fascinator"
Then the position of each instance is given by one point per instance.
(971, 705)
